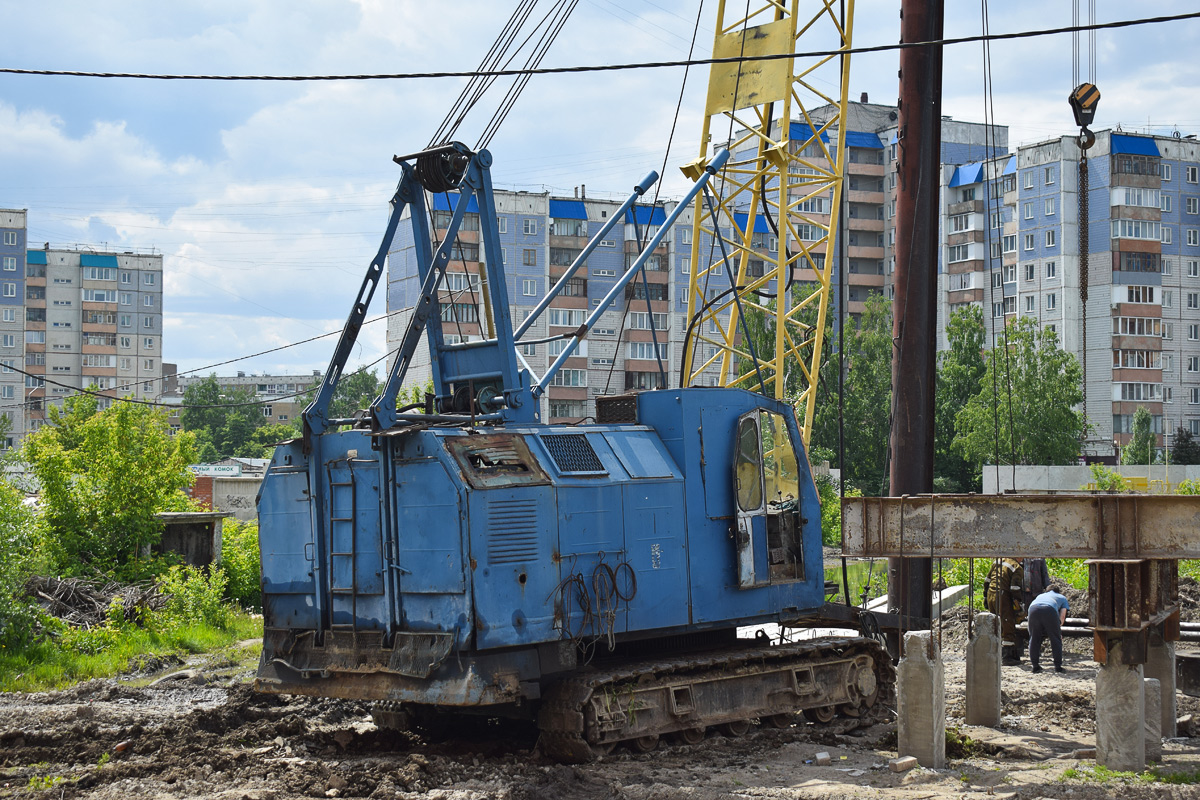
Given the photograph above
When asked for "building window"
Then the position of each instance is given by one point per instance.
(997, 280)
(126, 298)
(1166, 235)
(1136, 229)
(148, 300)
(1193, 205)
(126, 278)
(501, 224)
(1139, 294)
(1193, 300)
(567, 317)
(997, 217)
(960, 222)
(1030, 270)
(529, 226)
(10, 290)
(10, 263)
(126, 341)
(1051, 270)
(1051, 238)
(148, 343)
(1029, 211)
(124, 363)
(148, 278)
(967, 195)
(10, 238)
(1049, 206)
(1194, 396)
(1051, 301)
(10, 315)
(1029, 179)
(1165, 171)
(7, 393)
(529, 349)
(995, 250)
(9, 340)
(1010, 273)
(1168, 298)
(1010, 243)
(1193, 237)
(1193, 269)
(1029, 303)
(1048, 176)
(1190, 173)
(529, 257)
(959, 252)
(147, 322)
(570, 377)
(1136, 261)
(1193, 364)
(1164, 204)
(528, 287)
(1193, 333)
(1029, 241)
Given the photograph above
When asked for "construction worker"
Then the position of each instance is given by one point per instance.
(1047, 614)
(1035, 580)
(1002, 596)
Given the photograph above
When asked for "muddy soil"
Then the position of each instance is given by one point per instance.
(205, 733)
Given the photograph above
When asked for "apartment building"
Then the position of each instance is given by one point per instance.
(74, 319)
(1141, 320)
(282, 395)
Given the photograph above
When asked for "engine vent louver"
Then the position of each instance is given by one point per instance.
(512, 532)
(572, 452)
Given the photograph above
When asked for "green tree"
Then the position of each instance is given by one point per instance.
(1184, 448)
(354, 392)
(960, 370)
(867, 398)
(1140, 449)
(263, 440)
(104, 476)
(227, 419)
(1030, 391)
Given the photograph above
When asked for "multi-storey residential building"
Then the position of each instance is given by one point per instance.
(74, 319)
(282, 396)
(1138, 334)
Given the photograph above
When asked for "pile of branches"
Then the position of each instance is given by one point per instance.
(85, 603)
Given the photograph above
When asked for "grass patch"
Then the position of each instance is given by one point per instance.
(58, 661)
(1101, 774)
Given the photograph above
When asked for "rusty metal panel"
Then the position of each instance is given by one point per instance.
(496, 461)
(1046, 526)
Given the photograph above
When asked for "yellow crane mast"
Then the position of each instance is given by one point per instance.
(776, 202)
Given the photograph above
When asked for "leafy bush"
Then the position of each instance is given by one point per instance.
(831, 509)
(194, 595)
(241, 561)
(1107, 480)
(20, 556)
(1188, 486)
(104, 476)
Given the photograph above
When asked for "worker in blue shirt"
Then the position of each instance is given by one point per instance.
(1047, 614)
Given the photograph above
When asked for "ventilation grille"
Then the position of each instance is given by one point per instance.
(512, 532)
(572, 452)
(617, 409)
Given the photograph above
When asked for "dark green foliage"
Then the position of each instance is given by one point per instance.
(960, 370)
(1185, 449)
(224, 422)
(241, 561)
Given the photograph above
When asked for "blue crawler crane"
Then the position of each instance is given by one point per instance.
(462, 557)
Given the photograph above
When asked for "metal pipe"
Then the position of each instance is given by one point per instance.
(713, 167)
(639, 190)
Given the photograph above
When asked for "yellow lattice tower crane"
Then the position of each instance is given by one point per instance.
(777, 200)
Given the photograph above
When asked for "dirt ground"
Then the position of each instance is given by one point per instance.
(205, 733)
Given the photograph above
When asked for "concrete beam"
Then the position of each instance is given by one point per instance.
(1100, 526)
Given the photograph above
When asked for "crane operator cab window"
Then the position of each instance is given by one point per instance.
(766, 477)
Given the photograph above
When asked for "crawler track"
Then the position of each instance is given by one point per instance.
(587, 713)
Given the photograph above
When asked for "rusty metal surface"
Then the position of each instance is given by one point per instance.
(496, 460)
(1098, 526)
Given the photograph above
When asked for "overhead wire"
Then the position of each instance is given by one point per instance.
(693, 62)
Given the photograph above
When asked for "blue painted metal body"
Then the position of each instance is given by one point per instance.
(461, 555)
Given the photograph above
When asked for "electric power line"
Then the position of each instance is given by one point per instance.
(1126, 23)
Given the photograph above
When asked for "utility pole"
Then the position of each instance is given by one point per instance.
(914, 329)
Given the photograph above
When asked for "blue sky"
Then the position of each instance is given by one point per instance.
(268, 199)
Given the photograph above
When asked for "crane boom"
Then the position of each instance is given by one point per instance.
(763, 247)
